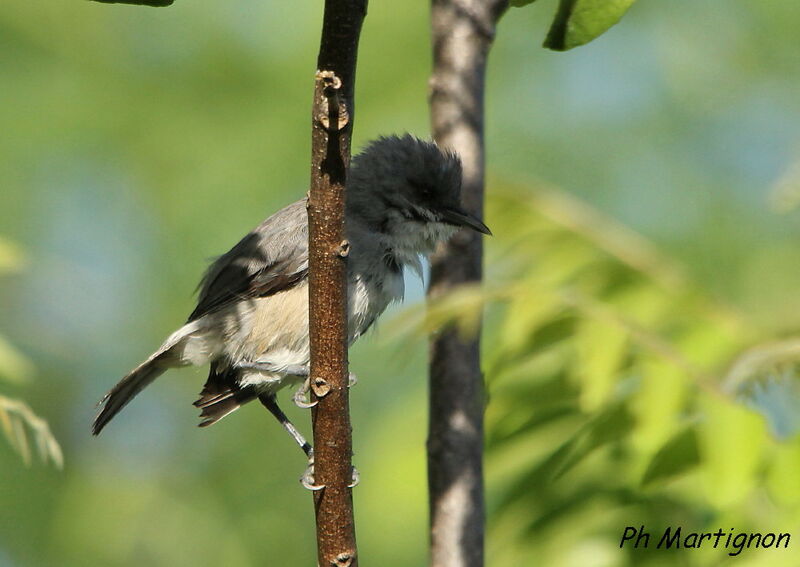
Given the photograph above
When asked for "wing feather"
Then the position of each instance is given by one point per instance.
(271, 258)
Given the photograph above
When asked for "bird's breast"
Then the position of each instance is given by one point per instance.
(276, 326)
(369, 297)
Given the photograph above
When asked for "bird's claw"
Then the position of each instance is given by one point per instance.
(307, 480)
(356, 478)
(300, 397)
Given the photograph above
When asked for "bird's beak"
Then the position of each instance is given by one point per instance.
(460, 218)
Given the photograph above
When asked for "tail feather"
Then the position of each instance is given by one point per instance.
(127, 388)
(212, 413)
(185, 346)
(221, 395)
(205, 401)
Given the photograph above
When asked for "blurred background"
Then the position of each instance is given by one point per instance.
(642, 303)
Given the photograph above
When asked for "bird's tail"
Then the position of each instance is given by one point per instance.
(174, 352)
(222, 395)
(127, 388)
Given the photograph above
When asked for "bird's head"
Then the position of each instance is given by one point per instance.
(409, 190)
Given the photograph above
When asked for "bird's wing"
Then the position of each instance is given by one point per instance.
(271, 258)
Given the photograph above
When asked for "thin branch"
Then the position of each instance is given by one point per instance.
(463, 31)
(154, 3)
(330, 157)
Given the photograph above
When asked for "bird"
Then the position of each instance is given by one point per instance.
(250, 325)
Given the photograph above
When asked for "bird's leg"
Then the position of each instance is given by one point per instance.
(307, 480)
(300, 397)
(269, 402)
(298, 370)
(304, 371)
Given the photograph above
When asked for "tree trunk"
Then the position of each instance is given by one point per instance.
(462, 32)
(332, 118)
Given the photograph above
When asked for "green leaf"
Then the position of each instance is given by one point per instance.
(782, 477)
(731, 442)
(531, 307)
(677, 456)
(606, 427)
(601, 350)
(15, 417)
(521, 3)
(659, 402)
(580, 21)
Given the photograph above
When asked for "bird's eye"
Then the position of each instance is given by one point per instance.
(421, 186)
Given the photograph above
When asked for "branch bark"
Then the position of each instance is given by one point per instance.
(462, 32)
(155, 3)
(332, 118)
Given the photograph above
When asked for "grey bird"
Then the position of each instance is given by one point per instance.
(251, 319)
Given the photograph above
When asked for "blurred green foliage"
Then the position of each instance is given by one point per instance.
(617, 384)
(18, 423)
(14, 367)
(17, 420)
(605, 346)
(641, 370)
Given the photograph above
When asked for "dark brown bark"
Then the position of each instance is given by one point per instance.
(332, 118)
(462, 32)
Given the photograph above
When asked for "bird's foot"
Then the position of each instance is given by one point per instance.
(308, 481)
(355, 479)
(301, 396)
